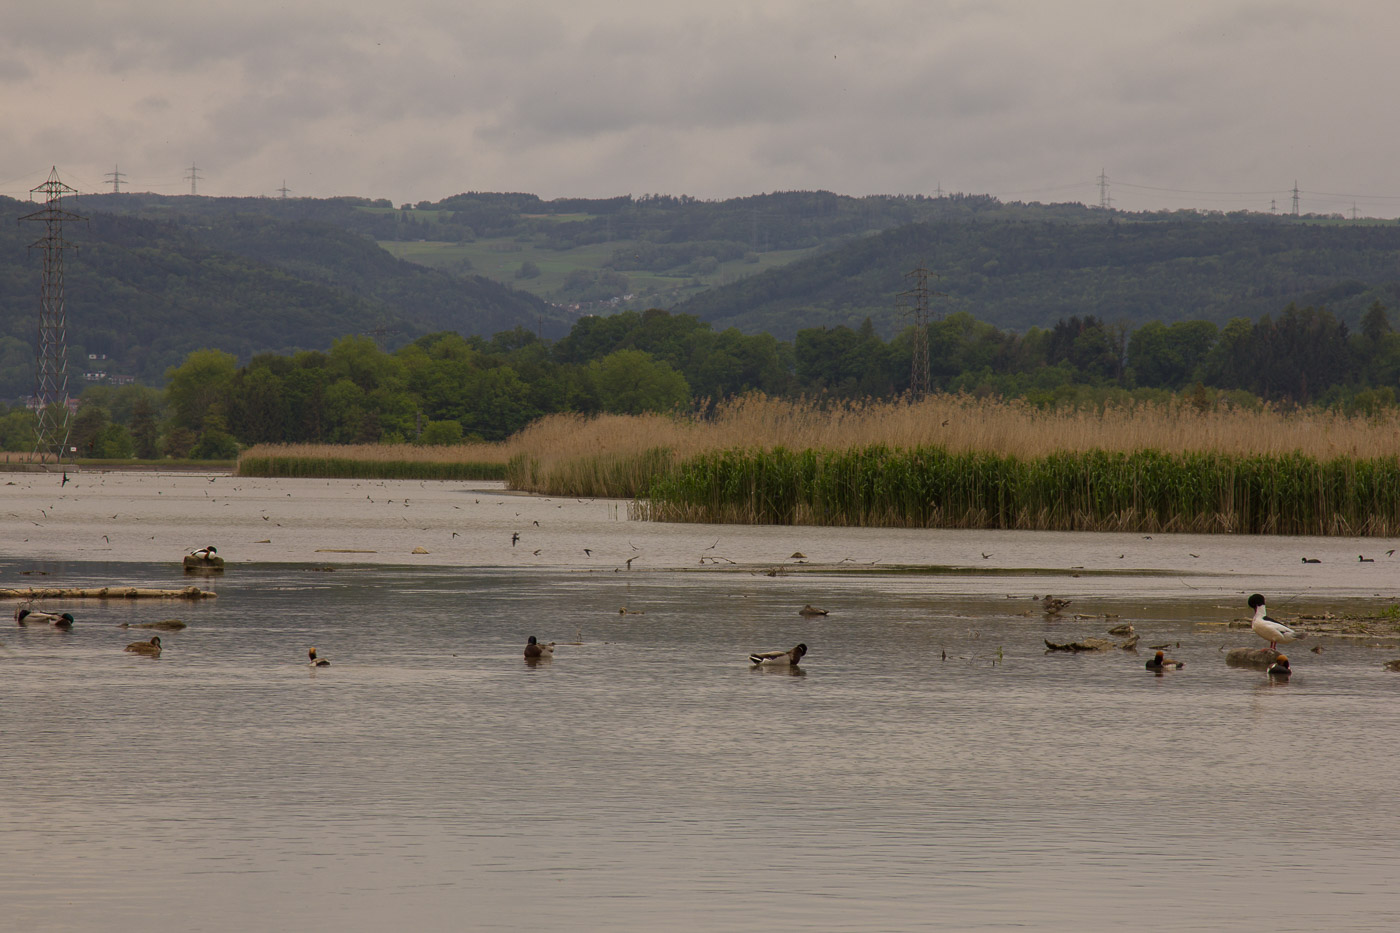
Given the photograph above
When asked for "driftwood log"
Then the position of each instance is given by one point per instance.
(105, 592)
(1091, 644)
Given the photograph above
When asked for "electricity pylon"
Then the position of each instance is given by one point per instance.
(51, 382)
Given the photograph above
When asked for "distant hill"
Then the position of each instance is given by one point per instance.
(156, 276)
(144, 292)
(1123, 268)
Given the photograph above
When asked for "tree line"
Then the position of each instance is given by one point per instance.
(445, 387)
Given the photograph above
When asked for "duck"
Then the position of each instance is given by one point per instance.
(150, 649)
(1280, 670)
(779, 658)
(205, 553)
(1266, 628)
(534, 650)
(29, 617)
(809, 610)
(1161, 662)
(315, 661)
(1053, 605)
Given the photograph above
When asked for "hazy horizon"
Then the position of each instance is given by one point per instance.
(1218, 105)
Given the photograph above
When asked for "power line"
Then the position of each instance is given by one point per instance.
(116, 175)
(194, 177)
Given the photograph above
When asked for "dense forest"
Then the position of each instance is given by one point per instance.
(444, 387)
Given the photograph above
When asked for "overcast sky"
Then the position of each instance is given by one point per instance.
(1216, 104)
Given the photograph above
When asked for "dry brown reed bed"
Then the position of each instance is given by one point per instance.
(619, 455)
(959, 424)
(375, 461)
(386, 453)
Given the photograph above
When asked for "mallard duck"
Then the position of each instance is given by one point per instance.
(1266, 628)
(534, 650)
(29, 617)
(150, 649)
(1160, 662)
(810, 610)
(1280, 670)
(779, 658)
(315, 661)
(205, 553)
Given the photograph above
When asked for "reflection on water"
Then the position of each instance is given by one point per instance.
(928, 766)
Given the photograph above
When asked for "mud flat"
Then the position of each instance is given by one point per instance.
(117, 517)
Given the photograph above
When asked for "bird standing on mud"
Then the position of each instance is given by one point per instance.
(1268, 629)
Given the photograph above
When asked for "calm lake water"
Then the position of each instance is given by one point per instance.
(647, 778)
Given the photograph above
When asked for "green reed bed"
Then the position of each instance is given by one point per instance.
(1091, 490)
(355, 468)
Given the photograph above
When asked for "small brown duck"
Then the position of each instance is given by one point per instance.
(315, 661)
(787, 658)
(810, 611)
(150, 649)
(534, 651)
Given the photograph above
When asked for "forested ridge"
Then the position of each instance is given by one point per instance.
(1054, 303)
(1023, 274)
(143, 292)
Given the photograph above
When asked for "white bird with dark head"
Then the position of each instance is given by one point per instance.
(1269, 629)
(25, 616)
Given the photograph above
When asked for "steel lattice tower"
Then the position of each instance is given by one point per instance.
(916, 299)
(51, 384)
